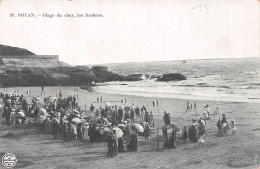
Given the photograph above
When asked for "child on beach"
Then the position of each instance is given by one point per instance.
(201, 140)
(233, 127)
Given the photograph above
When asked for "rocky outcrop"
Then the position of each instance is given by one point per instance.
(11, 51)
(18, 57)
(172, 77)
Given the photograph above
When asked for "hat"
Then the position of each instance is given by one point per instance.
(193, 120)
(223, 115)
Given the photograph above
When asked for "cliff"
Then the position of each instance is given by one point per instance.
(20, 67)
(10, 51)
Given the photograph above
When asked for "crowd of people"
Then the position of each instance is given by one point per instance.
(120, 127)
(62, 118)
(196, 131)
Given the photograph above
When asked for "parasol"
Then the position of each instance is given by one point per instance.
(54, 98)
(76, 120)
(139, 128)
(75, 111)
(77, 115)
(106, 129)
(121, 126)
(119, 132)
(42, 111)
(21, 114)
(108, 104)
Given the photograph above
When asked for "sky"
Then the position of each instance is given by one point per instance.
(133, 30)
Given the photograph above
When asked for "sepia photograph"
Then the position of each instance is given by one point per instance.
(130, 84)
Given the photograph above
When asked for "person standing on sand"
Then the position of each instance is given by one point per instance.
(233, 127)
(55, 126)
(120, 144)
(188, 107)
(110, 145)
(102, 112)
(132, 114)
(146, 117)
(60, 94)
(92, 108)
(143, 110)
(91, 133)
(172, 139)
(133, 142)
(201, 140)
(205, 114)
(137, 112)
(166, 118)
(120, 113)
(185, 134)
(220, 131)
(115, 143)
(193, 135)
(207, 110)
(127, 115)
(151, 119)
(8, 116)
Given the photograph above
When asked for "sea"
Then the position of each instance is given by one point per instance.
(236, 80)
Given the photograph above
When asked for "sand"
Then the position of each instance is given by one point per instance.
(35, 150)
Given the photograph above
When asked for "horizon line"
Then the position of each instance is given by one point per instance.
(161, 61)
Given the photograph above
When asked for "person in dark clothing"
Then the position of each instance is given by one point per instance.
(193, 134)
(133, 142)
(120, 113)
(79, 131)
(127, 115)
(120, 144)
(132, 115)
(146, 117)
(73, 103)
(224, 119)
(185, 134)
(137, 112)
(60, 94)
(114, 139)
(8, 116)
(92, 108)
(220, 130)
(55, 127)
(166, 118)
(91, 133)
(102, 112)
(111, 143)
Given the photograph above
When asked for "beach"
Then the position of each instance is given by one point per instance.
(35, 150)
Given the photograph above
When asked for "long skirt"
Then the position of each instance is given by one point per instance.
(115, 149)
(120, 145)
